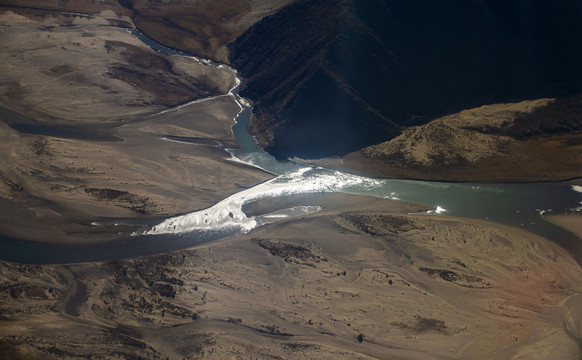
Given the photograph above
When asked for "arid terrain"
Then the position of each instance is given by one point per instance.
(96, 127)
(372, 279)
(481, 144)
(199, 27)
(331, 77)
(84, 136)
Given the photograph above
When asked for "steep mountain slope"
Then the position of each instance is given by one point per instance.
(531, 140)
(329, 77)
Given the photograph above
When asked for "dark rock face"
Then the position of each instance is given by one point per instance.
(329, 77)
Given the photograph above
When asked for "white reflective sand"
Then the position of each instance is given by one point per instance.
(228, 213)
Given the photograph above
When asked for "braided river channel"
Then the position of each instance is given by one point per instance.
(520, 205)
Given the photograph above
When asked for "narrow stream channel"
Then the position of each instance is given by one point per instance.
(520, 205)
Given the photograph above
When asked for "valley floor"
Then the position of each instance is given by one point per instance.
(71, 75)
(364, 278)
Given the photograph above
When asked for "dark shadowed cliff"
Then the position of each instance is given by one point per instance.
(329, 77)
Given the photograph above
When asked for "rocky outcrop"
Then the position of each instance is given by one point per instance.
(329, 77)
(531, 140)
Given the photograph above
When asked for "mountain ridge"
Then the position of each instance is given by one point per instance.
(330, 77)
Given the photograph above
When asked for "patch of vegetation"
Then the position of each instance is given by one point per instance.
(165, 290)
(134, 202)
(110, 194)
(273, 330)
(422, 324)
(379, 224)
(235, 321)
(53, 350)
(299, 346)
(290, 253)
(40, 147)
(469, 281)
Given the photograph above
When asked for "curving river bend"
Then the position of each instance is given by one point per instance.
(521, 205)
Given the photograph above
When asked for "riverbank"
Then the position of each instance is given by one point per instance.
(570, 222)
(67, 185)
(364, 277)
(507, 142)
(73, 74)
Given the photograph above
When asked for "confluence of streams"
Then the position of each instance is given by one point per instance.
(521, 205)
(514, 204)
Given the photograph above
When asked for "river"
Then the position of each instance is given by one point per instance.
(520, 205)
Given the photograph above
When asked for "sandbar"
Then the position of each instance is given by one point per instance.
(570, 222)
(363, 278)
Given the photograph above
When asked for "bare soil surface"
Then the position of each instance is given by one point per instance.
(84, 136)
(365, 278)
(199, 27)
(88, 71)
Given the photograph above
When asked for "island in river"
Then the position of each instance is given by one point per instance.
(363, 278)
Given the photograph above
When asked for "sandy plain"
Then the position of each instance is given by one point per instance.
(365, 278)
(199, 27)
(89, 76)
